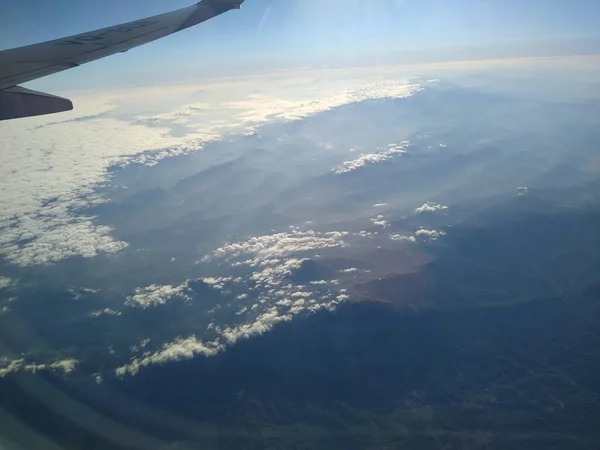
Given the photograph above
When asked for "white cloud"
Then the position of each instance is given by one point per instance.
(178, 350)
(275, 257)
(20, 365)
(274, 276)
(216, 280)
(349, 270)
(105, 312)
(155, 295)
(380, 221)
(371, 158)
(430, 207)
(429, 234)
(261, 325)
(271, 259)
(401, 237)
(271, 248)
(50, 165)
(5, 282)
(46, 173)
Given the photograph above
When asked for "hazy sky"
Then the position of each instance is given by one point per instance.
(274, 33)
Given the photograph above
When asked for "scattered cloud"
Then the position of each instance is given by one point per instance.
(178, 350)
(430, 207)
(429, 234)
(371, 158)
(155, 295)
(8, 366)
(261, 325)
(401, 237)
(105, 312)
(269, 249)
(380, 221)
(271, 259)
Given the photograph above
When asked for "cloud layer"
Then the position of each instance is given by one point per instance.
(49, 169)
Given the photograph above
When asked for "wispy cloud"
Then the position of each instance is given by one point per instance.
(8, 366)
(5, 282)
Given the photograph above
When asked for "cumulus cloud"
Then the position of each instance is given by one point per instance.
(188, 348)
(54, 240)
(261, 325)
(371, 158)
(155, 295)
(429, 234)
(271, 259)
(178, 350)
(380, 221)
(430, 207)
(270, 248)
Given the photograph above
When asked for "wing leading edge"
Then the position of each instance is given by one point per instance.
(28, 63)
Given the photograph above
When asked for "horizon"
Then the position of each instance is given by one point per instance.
(272, 35)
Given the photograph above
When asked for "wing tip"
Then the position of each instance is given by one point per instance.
(18, 102)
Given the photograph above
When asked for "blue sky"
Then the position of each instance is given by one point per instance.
(274, 33)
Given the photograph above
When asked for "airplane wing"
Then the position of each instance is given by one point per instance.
(28, 63)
